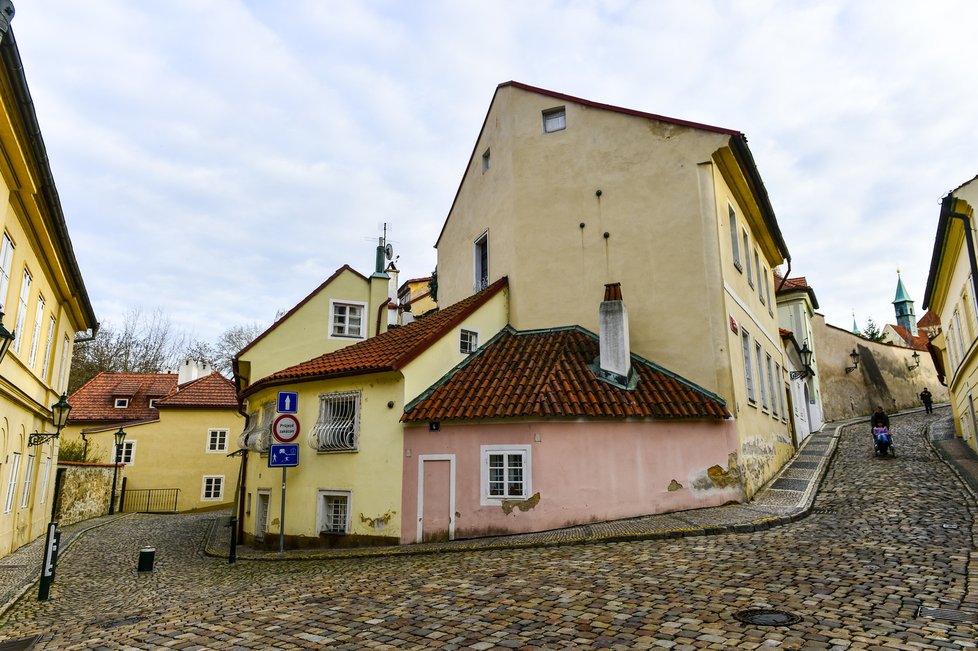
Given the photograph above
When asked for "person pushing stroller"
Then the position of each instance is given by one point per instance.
(882, 439)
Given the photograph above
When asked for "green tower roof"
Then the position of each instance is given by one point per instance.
(901, 294)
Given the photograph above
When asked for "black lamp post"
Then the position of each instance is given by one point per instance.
(6, 338)
(120, 439)
(916, 361)
(59, 415)
(854, 356)
(806, 363)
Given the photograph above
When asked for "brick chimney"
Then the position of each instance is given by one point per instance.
(615, 361)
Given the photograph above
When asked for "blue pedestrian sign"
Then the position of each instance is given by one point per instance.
(284, 455)
(288, 402)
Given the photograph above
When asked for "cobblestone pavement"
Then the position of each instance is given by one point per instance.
(886, 537)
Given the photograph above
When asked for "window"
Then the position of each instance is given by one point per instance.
(121, 403)
(338, 426)
(63, 375)
(468, 341)
(333, 512)
(36, 336)
(957, 329)
(750, 272)
(734, 241)
(486, 161)
(128, 455)
(46, 478)
(748, 374)
(505, 473)
(217, 440)
(760, 374)
(28, 478)
(778, 379)
(481, 257)
(12, 482)
(47, 349)
(346, 319)
(25, 292)
(213, 487)
(772, 384)
(554, 120)
(761, 281)
(757, 270)
(6, 257)
(152, 402)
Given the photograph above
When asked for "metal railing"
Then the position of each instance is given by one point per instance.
(149, 500)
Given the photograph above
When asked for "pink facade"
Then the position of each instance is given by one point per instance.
(574, 473)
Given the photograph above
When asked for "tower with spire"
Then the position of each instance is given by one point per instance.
(855, 328)
(903, 306)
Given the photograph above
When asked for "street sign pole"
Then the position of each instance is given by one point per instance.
(281, 529)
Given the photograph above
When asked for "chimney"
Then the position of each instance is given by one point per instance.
(615, 361)
(191, 370)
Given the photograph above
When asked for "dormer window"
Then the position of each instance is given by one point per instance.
(152, 403)
(121, 403)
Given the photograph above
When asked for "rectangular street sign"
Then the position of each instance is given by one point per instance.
(288, 402)
(285, 455)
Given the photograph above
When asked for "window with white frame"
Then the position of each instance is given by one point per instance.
(127, 455)
(338, 426)
(36, 336)
(481, 261)
(468, 341)
(25, 293)
(333, 512)
(12, 482)
(748, 373)
(121, 403)
(152, 402)
(750, 272)
(28, 479)
(63, 374)
(771, 383)
(757, 270)
(217, 440)
(779, 379)
(6, 257)
(486, 161)
(505, 473)
(346, 319)
(760, 374)
(962, 349)
(213, 487)
(734, 237)
(45, 478)
(554, 119)
(52, 326)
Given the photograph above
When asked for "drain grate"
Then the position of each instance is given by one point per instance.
(766, 617)
(949, 526)
(948, 615)
(22, 644)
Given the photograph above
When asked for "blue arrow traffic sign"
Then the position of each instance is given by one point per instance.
(285, 455)
(288, 402)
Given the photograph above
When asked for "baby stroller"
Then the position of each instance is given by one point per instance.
(882, 441)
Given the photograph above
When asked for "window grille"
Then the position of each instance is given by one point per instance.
(258, 436)
(339, 423)
(334, 514)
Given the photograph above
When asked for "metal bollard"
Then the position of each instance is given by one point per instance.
(146, 557)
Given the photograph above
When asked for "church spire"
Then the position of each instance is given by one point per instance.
(903, 306)
(855, 328)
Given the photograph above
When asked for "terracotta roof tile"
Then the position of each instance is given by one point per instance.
(388, 351)
(929, 319)
(917, 342)
(95, 400)
(548, 374)
(210, 391)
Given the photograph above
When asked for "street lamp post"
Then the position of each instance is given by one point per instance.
(120, 439)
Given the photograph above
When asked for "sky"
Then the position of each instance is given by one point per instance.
(219, 159)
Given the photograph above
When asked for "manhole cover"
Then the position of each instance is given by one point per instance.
(766, 617)
(22, 644)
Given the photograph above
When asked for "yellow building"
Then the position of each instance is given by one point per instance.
(951, 296)
(43, 300)
(180, 429)
(563, 195)
(414, 298)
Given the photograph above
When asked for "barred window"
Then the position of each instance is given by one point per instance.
(338, 426)
(258, 435)
(334, 512)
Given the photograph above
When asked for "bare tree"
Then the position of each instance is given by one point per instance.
(233, 340)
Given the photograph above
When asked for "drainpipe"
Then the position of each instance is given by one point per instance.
(784, 278)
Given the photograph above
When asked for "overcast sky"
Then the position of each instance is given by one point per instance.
(219, 159)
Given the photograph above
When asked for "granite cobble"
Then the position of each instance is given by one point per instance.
(883, 537)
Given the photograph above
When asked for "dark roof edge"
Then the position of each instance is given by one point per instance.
(939, 239)
(738, 144)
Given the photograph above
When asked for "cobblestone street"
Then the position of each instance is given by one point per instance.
(886, 537)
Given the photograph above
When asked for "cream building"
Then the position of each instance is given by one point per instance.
(43, 300)
(951, 296)
(563, 195)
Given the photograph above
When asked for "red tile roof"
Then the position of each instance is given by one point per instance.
(94, 401)
(929, 320)
(550, 374)
(388, 351)
(212, 391)
(918, 342)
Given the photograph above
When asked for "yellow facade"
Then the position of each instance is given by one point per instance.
(615, 196)
(43, 298)
(950, 294)
(182, 450)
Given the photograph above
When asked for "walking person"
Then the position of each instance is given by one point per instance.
(928, 401)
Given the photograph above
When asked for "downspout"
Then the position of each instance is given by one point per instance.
(969, 237)
(380, 312)
(784, 279)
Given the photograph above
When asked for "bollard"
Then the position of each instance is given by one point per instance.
(146, 557)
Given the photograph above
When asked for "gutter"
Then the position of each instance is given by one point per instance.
(944, 223)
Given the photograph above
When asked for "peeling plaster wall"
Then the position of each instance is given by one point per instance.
(761, 455)
(882, 377)
(579, 471)
(85, 492)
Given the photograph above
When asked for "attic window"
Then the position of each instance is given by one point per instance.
(468, 341)
(486, 161)
(121, 403)
(554, 120)
(152, 403)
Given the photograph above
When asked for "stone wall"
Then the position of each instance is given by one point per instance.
(882, 377)
(85, 489)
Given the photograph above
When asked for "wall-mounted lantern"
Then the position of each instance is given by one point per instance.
(806, 363)
(854, 356)
(916, 361)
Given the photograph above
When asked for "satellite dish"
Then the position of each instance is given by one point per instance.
(389, 251)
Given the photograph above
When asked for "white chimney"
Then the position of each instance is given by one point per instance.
(616, 359)
(191, 370)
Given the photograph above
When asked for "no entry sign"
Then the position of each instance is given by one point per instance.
(285, 428)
